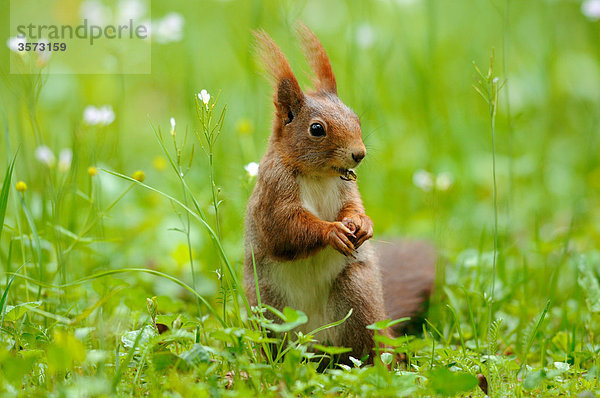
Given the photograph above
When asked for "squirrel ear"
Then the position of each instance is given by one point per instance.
(288, 97)
(317, 59)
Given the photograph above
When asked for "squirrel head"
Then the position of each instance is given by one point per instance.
(313, 132)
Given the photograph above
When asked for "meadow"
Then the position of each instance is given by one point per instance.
(123, 198)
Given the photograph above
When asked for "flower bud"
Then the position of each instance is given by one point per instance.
(177, 322)
(21, 186)
(139, 176)
(152, 307)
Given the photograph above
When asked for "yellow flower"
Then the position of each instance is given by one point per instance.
(139, 176)
(92, 171)
(244, 126)
(21, 186)
(159, 163)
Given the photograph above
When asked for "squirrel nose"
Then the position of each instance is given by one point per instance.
(359, 155)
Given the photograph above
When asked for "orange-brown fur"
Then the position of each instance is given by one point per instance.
(306, 229)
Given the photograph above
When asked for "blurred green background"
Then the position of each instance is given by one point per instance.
(406, 68)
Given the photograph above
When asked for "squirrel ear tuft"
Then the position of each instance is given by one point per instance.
(288, 96)
(317, 59)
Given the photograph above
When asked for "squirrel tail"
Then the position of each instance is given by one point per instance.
(408, 271)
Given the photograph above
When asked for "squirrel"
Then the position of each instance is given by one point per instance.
(307, 233)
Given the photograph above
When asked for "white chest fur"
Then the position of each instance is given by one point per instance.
(322, 196)
(305, 284)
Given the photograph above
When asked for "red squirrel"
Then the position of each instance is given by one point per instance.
(307, 233)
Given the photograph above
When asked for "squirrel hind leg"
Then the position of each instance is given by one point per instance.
(408, 271)
(358, 288)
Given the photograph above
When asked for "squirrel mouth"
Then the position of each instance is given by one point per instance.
(347, 174)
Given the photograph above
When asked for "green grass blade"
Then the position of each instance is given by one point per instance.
(211, 233)
(5, 191)
(531, 336)
(36, 239)
(119, 371)
(125, 270)
(7, 288)
(332, 324)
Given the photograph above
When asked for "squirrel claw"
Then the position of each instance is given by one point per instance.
(361, 227)
(338, 239)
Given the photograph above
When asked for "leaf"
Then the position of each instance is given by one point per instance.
(64, 351)
(386, 358)
(291, 319)
(164, 359)
(129, 339)
(561, 341)
(534, 379)
(121, 365)
(593, 373)
(196, 355)
(8, 285)
(382, 325)
(15, 367)
(391, 341)
(589, 284)
(256, 336)
(530, 336)
(444, 382)
(493, 333)
(14, 312)
(331, 350)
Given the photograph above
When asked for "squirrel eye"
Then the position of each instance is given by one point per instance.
(317, 130)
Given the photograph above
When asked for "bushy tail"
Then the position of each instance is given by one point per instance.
(408, 270)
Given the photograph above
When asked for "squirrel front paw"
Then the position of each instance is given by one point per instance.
(361, 226)
(339, 236)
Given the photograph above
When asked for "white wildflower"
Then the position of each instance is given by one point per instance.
(204, 96)
(13, 44)
(406, 2)
(357, 362)
(65, 157)
(130, 10)
(365, 36)
(423, 180)
(172, 126)
(102, 116)
(95, 12)
(252, 169)
(591, 9)
(45, 155)
(562, 366)
(169, 28)
(444, 181)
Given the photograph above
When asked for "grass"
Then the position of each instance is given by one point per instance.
(125, 279)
